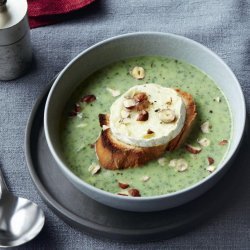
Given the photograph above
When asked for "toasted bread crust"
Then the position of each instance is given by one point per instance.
(114, 154)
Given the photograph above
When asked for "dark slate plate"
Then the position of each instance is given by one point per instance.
(87, 215)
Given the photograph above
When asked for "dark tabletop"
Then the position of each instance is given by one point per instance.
(223, 26)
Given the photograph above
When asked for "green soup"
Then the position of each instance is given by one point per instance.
(80, 132)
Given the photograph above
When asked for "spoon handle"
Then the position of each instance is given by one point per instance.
(2, 183)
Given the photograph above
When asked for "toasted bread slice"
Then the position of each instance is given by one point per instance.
(114, 154)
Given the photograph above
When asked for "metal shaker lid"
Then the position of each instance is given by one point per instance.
(13, 20)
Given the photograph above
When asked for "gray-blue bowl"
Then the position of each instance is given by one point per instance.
(141, 44)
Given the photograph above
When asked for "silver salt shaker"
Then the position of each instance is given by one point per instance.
(15, 45)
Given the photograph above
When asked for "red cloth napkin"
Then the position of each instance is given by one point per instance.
(45, 12)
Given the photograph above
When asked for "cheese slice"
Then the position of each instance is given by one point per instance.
(159, 128)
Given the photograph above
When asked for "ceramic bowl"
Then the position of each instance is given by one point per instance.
(132, 45)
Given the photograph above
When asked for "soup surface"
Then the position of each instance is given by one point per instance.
(210, 135)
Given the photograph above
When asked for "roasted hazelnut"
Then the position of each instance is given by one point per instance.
(88, 98)
(142, 116)
(138, 73)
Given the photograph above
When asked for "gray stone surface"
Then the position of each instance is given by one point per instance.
(223, 26)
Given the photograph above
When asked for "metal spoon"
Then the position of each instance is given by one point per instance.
(20, 219)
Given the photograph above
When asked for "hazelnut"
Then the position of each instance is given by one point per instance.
(162, 161)
(134, 192)
(142, 101)
(205, 127)
(204, 142)
(88, 98)
(123, 185)
(210, 160)
(129, 103)
(141, 96)
(123, 193)
(142, 116)
(94, 168)
(113, 92)
(138, 73)
(192, 149)
(149, 132)
(181, 165)
(172, 163)
(211, 168)
(223, 142)
(167, 115)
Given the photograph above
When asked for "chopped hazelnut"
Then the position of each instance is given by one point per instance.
(162, 161)
(173, 163)
(88, 98)
(210, 160)
(192, 149)
(142, 101)
(134, 192)
(141, 96)
(94, 168)
(149, 132)
(167, 115)
(114, 92)
(223, 142)
(205, 127)
(123, 185)
(204, 142)
(129, 103)
(142, 116)
(211, 168)
(181, 165)
(123, 193)
(138, 73)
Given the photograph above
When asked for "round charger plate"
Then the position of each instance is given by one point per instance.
(87, 215)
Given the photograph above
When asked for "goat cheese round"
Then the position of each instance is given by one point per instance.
(147, 115)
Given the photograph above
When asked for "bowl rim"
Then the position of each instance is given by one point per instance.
(80, 182)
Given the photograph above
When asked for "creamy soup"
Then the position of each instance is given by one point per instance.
(210, 134)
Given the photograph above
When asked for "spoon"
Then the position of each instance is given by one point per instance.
(20, 219)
